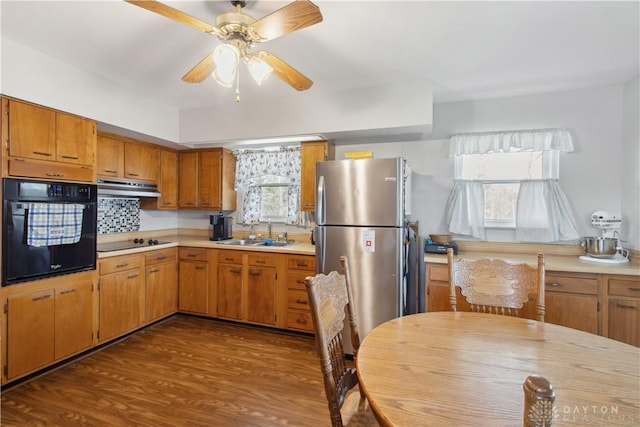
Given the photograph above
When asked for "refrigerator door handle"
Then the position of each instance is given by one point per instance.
(320, 196)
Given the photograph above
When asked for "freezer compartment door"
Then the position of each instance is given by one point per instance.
(360, 192)
(376, 265)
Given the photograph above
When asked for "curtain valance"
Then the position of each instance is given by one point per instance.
(487, 142)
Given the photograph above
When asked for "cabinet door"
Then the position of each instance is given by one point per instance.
(193, 287)
(572, 310)
(120, 299)
(161, 290)
(140, 162)
(30, 332)
(188, 183)
(230, 291)
(168, 180)
(310, 154)
(261, 299)
(209, 179)
(624, 320)
(110, 157)
(75, 139)
(73, 319)
(32, 131)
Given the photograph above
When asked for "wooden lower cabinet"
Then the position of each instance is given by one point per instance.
(572, 299)
(46, 321)
(161, 284)
(261, 288)
(623, 317)
(193, 296)
(230, 284)
(298, 311)
(121, 288)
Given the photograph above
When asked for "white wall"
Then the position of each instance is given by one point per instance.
(591, 176)
(630, 162)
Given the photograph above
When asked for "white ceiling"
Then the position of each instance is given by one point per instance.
(469, 50)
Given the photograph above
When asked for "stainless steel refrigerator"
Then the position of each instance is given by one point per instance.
(360, 213)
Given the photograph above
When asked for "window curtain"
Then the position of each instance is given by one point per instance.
(251, 164)
(543, 213)
(465, 209)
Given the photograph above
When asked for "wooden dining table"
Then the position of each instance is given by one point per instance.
(468, 369)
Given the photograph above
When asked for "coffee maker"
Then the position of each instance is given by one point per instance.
(221, 227)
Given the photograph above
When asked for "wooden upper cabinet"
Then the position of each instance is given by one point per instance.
(75, 139)
(167, 183)
(49, 144)
(140, 162)
(310, 154)
(207, 179)
(32, 131)
(188, 180)
(110, 157)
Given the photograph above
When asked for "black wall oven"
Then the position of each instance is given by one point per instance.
(48, 229)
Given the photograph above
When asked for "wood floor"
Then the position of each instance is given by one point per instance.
(186, 371)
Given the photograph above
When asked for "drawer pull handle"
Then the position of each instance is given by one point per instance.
(154, 271)
(40, 298)
(192, 255)
(555, 285)
(133, 174)
(67, 291)
(301, 281)
(40, 153)
(55, 174)
(110, 171)
(634, 289)
(201, 267)
(301, 301)
(301, 264)
(301, 321)
(133, 276)
(235, 270)
(254, 272)
(122, 265)
(261, 261)
(161, 257)
(70, 157)
(228, 259)
(626, 307)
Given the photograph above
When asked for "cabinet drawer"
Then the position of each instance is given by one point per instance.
(120, 263)
(295, 279)
(299, 320)
(302, 263)
(262, 260)
(230, 257)
(197, 254)
(297, 299)
(624, 287)
(438, 273)
(162, 255)
(574, 284)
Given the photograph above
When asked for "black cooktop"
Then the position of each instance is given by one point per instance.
(129, 244)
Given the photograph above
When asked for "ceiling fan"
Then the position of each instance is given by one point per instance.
(240, 33)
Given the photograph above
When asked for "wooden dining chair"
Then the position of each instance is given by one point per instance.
(492, 285)
(329, 296)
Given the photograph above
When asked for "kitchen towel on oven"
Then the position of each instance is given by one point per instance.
(51, 224)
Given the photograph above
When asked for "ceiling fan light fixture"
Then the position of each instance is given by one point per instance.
(259, 69)
(225, 57)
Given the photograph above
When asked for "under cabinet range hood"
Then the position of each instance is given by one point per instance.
(115, 188)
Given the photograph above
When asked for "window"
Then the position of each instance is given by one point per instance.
(501, 175)
(274, 198)
(510, 179)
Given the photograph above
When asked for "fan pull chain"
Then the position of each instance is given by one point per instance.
(238, 86)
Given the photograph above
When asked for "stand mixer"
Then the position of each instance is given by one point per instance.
(605, 248)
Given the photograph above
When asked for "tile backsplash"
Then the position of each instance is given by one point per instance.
(118, 215)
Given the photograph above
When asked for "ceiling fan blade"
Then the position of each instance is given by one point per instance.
(294, 16)
(201, 71)
(285, 72)
(176, 15)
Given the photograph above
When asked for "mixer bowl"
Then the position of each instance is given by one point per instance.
(600, 247)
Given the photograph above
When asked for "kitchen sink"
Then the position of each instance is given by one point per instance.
(246, 242)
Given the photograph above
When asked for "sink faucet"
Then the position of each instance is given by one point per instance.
(269, 227)
(252, 229)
